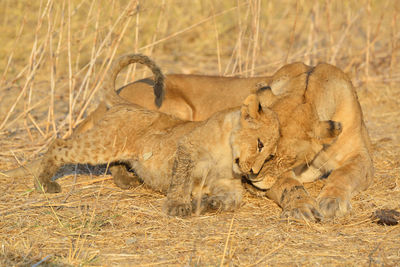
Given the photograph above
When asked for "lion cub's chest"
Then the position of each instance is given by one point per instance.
(213, 159)
(214, 165)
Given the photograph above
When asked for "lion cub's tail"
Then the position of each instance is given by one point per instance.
(124, 61)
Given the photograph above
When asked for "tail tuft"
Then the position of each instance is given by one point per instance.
(126, 60)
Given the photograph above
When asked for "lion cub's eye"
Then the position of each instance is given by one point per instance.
(260, 145)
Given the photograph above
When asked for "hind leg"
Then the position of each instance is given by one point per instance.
(49, 165)
(97, 146)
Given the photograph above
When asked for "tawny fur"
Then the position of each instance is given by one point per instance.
(174, 156)
(328, 90)
(324, 89)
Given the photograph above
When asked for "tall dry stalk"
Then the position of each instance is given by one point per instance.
(99, 79)
(329, 51)
(10, 57)
(161, 18)
(70, 79)
(395, 47)
(256, 30)
(308, 59)
(132, 68)
(237, 53)
(292, 34)
(83, 34)
(367, 54)
(34, 64)
(50, 114)
(216, 39)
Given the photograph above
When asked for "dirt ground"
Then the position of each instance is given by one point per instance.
(94, 223)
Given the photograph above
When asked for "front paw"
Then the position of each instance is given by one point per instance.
(214, 203)
(297, 204)
(302, 210)
(334, 207)
(333, 202)
(178, 208)
(49, 187)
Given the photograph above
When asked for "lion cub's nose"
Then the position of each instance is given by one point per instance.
(253, 173)
(237, 161)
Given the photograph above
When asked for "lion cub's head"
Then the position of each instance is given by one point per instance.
(256, 140)
(302, 135)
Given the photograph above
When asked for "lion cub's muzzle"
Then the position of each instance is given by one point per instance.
(253, 175)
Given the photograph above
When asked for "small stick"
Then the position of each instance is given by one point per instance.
(226, 242)
(256, 29)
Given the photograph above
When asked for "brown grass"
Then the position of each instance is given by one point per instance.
(54, 55)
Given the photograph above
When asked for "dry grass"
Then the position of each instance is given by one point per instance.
(53, 57)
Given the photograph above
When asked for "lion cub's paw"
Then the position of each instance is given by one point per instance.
(333, 207)
(213, 203)
(50, 187)
(217, 203)
(178, 208)
(302, 211)
(221, 203)
(297, 204)
(333, 201)
(200, 205)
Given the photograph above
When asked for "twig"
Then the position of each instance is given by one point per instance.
(226, 242)
(256, 29)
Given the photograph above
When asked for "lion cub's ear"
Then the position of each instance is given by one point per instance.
(251, 108)
(266, 97)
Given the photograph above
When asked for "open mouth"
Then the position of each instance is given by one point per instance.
(250, 182)
(253, 177)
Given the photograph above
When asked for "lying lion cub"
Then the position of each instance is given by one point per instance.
(174, 156)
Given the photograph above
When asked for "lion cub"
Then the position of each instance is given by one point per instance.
(175, 156)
